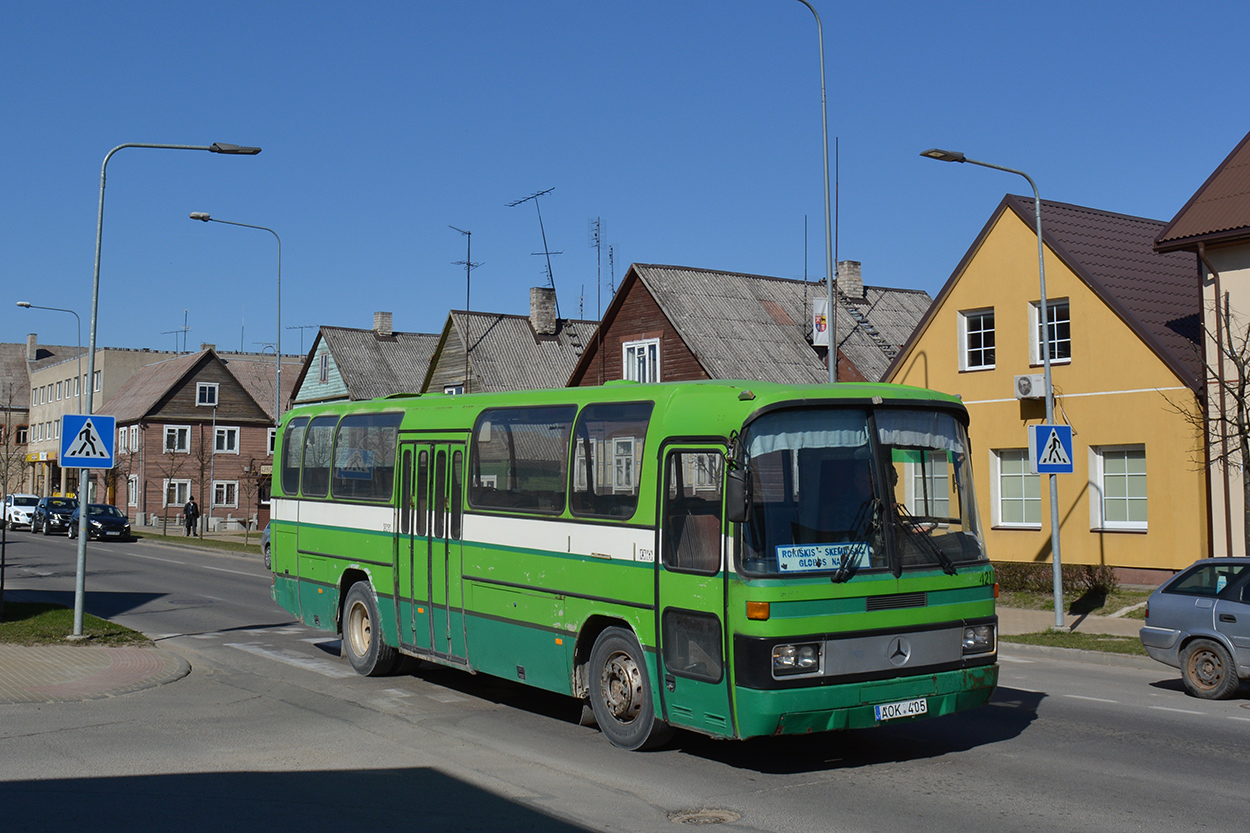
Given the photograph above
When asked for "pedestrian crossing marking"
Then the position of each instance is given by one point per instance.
(1054, 453)
(88, 443)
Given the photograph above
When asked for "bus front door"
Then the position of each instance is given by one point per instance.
(692, 656)
(430, 518)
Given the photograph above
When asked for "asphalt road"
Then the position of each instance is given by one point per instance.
(272, 730)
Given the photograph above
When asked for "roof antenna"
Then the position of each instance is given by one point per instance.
(469, 266)
(551, 281)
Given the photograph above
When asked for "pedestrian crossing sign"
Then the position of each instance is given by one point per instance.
(87, 441)
(1050, 449)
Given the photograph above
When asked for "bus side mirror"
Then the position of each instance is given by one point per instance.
(736, 495)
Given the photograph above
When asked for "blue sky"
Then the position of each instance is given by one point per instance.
(690, 128)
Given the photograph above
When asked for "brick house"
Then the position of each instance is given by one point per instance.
(199, 424)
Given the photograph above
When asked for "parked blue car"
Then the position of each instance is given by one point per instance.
(1199, 621)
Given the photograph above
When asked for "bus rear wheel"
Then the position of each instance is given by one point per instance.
(620, 693)
(367, 652)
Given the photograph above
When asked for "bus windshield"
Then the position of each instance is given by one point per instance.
(841, 491)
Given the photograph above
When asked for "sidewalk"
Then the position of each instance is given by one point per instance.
(67, 673)
(1013, 620)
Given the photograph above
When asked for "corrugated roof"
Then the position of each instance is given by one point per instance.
(375, 365)
(1219, 211)
(507, 354)
(742, 326)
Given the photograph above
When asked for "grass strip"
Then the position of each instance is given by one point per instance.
(1081, 641)
(220, 544)
(38, 623)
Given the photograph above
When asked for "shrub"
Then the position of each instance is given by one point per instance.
(1078, 579)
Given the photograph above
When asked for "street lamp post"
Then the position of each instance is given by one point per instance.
(277, 381)
(956, 156)
(831, 298)
(78, 383)
(216, 147)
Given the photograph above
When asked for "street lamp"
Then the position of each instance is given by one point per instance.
(831, 298)
(78, 382)
(277, 382)
(216, 147)
(956, 156)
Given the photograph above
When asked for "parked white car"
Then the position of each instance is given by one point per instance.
(18, 509)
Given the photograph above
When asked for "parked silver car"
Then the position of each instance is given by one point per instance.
(1199, 621)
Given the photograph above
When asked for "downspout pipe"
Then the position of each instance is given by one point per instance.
(1219, 341)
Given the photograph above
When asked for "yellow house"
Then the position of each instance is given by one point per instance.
(1126, 368)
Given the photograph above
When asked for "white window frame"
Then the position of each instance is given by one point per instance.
(645, 352)
(176, 429)
(134, 438)
(911, 472)
(273, 436)
(228, 496)
(453, 390)
(996, 490)
(230, 435)
(132, 490)
(58, 391)
(624, 465)
(97, 381)
(122, 436)
(1035, 328)
(206, 394)
(1097, 490)
(182, 492)
(965, 349)
(323, 368)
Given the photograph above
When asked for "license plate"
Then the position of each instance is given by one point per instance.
(112, 532)
(905, 708)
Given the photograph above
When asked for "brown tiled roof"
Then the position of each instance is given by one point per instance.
(256, 376)
(1156, 295)
(1219, 211)
(145, 388)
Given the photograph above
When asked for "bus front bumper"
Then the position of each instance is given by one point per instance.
(830, 708)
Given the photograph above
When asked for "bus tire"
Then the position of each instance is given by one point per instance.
(620, 693)
(363, 645)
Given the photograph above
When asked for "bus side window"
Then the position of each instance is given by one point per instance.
(423, 492)
(457, 492)
(405, 494)
(692, 512)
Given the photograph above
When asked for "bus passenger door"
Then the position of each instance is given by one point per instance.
(447, 518)
(413, 546)
(692, 641)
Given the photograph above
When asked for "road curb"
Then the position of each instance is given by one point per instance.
(1024, 651)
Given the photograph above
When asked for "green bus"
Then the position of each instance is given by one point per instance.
(733, 558)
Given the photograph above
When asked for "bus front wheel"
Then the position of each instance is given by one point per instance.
(367, 652)
(620, 693)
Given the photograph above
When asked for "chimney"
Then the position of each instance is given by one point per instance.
(382, 324)
(32, 347)
(543, 310)
(204, 345)
(850, 279)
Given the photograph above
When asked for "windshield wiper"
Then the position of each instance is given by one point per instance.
(910, 525)
(861, 530)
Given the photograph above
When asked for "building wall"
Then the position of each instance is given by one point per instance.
(449, 365)
(1228, 533)
(1114, 392)
(639, 317)
(312, 389)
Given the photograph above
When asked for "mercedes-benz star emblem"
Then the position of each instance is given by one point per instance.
(899, 651)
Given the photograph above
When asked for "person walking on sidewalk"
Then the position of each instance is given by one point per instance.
(190, 515)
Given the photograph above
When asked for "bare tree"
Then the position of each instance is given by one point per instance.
(1226, 421)
(169, 465)
(12, 454)
(249, 491)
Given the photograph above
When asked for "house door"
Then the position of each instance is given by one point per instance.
(691, 583)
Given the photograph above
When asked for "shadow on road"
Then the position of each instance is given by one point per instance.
(263, 802)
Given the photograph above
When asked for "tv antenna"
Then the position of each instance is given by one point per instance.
(551, 281)
(301, 328)
(596, 243)
(469, 266)
(184, 329)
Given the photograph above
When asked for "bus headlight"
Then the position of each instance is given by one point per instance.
(979, 639)
(796, 659)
